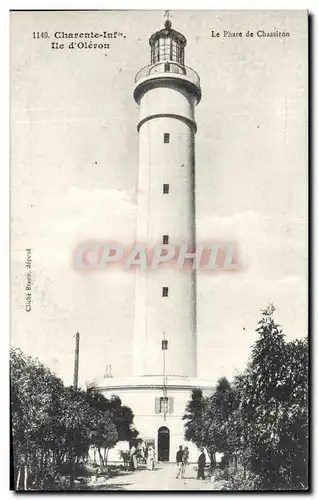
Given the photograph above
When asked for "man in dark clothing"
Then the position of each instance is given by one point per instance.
(179, 458)
(201, 465)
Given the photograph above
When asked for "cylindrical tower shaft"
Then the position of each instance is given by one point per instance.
(165, 299)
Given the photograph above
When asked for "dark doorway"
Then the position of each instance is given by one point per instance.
(163, 444)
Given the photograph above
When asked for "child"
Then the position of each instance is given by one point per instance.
(185, 461)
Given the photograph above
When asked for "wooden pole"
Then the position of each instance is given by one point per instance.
(75, 385)
(75, 380)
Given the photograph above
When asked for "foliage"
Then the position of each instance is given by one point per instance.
(193, 416)
(261, 421)
(113, 422)
(206, 419)
(274, 407)
(54, 426)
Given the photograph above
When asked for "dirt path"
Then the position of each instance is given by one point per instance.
(162, 478)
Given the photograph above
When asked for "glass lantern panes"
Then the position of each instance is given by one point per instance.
(167, 49)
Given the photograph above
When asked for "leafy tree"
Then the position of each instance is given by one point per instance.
(34, 393)
(220, 410)
(262, 419)
(103, 429)
(123, 419)
(198, 426)
(273, 408)
(113, 422)
(193, 416)
(206, 419)
(53, 426)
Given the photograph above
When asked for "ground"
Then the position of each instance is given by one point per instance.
(162, 478)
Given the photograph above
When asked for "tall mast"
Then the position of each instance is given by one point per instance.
(76, 358)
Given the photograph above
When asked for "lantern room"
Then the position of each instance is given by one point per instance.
(167, 45)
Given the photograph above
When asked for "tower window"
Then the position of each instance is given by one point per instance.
(165, 239)
(166, 138)
(166, 189)
(167, 67)
(164, 345)
(165, 290)
(164, 405)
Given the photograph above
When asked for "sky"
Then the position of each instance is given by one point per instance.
(74, 179)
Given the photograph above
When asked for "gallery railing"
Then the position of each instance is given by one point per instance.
(168, 67)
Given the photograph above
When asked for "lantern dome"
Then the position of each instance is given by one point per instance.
(167, 44)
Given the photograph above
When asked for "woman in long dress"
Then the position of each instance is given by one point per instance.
(150, 458)
(133, 459)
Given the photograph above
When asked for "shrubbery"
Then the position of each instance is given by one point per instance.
(260, 421)
(54, 426)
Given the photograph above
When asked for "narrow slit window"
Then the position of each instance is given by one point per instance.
(166, 189)
(166, 138)
(165, 239)
(164, 345)
(165, 291)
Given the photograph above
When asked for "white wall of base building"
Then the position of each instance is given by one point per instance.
(148, 422)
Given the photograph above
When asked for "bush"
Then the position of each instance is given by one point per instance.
(251, 482)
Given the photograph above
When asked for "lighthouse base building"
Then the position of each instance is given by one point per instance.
(158, 411)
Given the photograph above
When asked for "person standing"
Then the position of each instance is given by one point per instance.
(133, 458)
(150, 458)
(179, 458)
(143, 451)
(185, 461)
(201, 464)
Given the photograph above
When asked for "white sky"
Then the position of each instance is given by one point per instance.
(74, 177)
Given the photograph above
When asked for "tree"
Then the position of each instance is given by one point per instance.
(53, 426)
(198, 426)
(273, 408)
(207, 418)
(34, 395)
(220, 411)
(113, 422)
(193, 416)
(262, 419)
(104, 436)
(123, 419)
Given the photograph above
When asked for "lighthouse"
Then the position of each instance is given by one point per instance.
(165, 300)
(165, 321)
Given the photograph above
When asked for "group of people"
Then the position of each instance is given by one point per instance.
(141, 452)
(147, 454)
(182, 459)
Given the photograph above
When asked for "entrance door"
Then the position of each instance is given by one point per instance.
(163, 444)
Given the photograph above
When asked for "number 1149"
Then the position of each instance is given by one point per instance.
(40, 34)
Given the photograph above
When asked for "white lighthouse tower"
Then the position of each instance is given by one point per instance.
(164, 335)
(166, 92)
